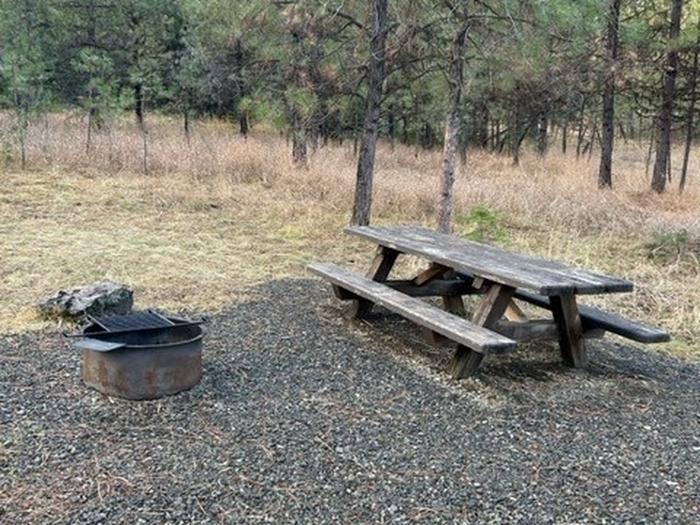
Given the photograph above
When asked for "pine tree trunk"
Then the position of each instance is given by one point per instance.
(564, 136)
(392, 128)
(138, 104)
(690, 115)
(542, 134)
(452, 128)
(244, 125)
(581, 129)
(23, 127)
(88, 138)
(608, 124)
(515, 135)
(144, 138)
(368, 144)
(663, 143)
(299, 150)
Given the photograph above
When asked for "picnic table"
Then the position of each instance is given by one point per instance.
(455, 268)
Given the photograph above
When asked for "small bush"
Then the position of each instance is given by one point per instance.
(672, 247)
(482, 224)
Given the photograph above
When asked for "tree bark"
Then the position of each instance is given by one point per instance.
(514, 133)
(243, 124)
(690, 114)
(564, 136)
(299, 150)
(663, 143)
(138, 104)
(608, 123)
(452, 129)
(581, 128)
(186, 125)
(542, 134)
(368, 144)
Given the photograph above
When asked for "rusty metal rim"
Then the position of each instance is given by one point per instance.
(168, 345)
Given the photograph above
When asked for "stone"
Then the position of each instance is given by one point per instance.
(100, 298)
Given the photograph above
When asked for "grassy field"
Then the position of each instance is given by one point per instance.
(222, 213)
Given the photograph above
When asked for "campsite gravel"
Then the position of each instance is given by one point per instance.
(304, 417)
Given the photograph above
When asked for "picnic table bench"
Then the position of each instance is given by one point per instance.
(457, 267)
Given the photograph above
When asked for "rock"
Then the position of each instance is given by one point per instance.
(99, 298)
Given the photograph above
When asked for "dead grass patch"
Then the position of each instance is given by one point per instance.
(222, 213)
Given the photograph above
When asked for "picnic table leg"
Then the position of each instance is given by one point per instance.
(568, 321)
(492, 306)
(379, 271)
(453, 304)
(515, 313)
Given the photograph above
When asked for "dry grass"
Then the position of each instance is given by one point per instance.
(222, 213)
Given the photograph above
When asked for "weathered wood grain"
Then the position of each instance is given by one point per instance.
(514, 312)
(433, 272)
(595, 318)
(455, 328)
(536, 330)
(528, 331)
(464, 362)
(568, 321)
(536, 274)
(379, 270)
(434, 288)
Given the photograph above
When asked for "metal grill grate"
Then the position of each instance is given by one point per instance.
(134, 321)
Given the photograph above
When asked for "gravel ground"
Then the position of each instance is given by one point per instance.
(303, 417)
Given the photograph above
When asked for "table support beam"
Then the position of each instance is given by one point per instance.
(379, 271)
(568, 321)
(490, 310)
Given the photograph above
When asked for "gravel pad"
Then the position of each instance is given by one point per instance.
(304, 417)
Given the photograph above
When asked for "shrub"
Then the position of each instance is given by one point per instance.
(482, 224)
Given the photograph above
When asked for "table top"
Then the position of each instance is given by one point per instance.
(543, 276)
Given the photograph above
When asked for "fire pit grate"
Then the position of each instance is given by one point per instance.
(134, 321)
(142, 355)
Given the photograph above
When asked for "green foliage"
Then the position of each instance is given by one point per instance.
(304, 62)
(672, 247)
(482, 224)
(102, 96)
(26, 71)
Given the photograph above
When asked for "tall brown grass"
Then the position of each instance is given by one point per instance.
(220, 212)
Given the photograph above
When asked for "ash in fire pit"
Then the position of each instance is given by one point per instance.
(142, 355)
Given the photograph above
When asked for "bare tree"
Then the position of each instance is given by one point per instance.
(376, 72)
(608, 124)
(663, 143)
(452, 122)
(690, 115)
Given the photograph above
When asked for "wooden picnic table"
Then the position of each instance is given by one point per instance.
(458, 267)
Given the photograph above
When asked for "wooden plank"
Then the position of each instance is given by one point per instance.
(343, 294)
(465, 362)
(493, 305)
(434, 288)
(571, 344)
(514, 312)
(526, 332)
(536, 330)
(433, 272)
(378, 271)
(457, 329)
(454, 305)
(536, 274)
(595, 318)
